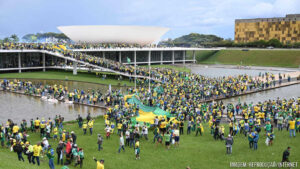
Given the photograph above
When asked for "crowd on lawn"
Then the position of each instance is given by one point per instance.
(244, 119)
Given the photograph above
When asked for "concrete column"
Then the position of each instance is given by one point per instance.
(120, 57)
(184, 57)
(194, 56)
(44, 62)
(173, 57)
(161, 57)
(149, 58)
(19, 62)
(134, 58)
(74, 68)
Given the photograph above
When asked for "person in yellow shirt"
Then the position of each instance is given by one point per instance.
(84, 127)
(120, 125)
(137, 149)
(63, 137)
(55, 133)
(100, 164)
(29, 151)
(42, 127)
(36, 153)
(15, 129)
(37, 124)
(292, 123)
(90, 125)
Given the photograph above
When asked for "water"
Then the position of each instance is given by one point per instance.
(283, 93)
(18, 107)
(213, 71)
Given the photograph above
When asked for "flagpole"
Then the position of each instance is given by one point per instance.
(149, 78)
(134, 70)
(149, 64)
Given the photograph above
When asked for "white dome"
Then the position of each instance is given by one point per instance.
(142, 35)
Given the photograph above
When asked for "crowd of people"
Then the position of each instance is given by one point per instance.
(105, 45)
(244, 119)
(181, 94)
(192, 87)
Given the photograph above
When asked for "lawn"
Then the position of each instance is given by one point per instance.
(196, 152)
(63, 75)
(201, 55)
(177, 68)
(276, 58)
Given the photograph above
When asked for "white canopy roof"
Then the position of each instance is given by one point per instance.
(142, 35)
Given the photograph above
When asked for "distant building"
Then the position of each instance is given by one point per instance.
(285, 29)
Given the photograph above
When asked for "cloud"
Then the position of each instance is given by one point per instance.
(182, 16)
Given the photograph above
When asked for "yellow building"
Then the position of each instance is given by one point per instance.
(285, 29)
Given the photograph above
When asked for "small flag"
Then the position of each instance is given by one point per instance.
(128, 60)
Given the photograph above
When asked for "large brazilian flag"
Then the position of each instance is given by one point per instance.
(146, 113)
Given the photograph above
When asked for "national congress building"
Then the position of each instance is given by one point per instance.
(285, 29)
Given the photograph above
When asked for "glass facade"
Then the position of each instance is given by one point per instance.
(55, 61)
(35, 59)
(9, 60)
(31, 60)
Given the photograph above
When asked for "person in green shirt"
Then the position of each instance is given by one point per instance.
(80, 158)
(280, 122)
(268, 127)
(159, 139)
(50, 155)
(198, 130)
(2, 138)
(167, 139)
(155, 133)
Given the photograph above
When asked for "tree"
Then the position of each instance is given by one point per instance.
(7, 39)
(33, 38)
(14, 38)
(192, 39)
(30, 38)
(27, 37)
(275, 43)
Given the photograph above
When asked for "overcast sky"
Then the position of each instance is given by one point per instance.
(181, 16)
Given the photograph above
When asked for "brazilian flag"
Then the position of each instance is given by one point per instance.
(58, 49)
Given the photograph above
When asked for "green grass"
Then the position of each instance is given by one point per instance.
(200, 55)
(196, 152)
(276, 58)
(63, 75)
(178, 68)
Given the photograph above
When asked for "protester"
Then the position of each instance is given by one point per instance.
(50, 155)
(286, 154)
(19, 150)
(100, 164)
(137, 149)
(229, 143)
(99, 142)
(121, 144)
(37, 149)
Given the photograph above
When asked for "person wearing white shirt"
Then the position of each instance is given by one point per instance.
(145, 132)
(127, 136)
(121, 144)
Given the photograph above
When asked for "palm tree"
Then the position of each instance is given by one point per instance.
(14, 38)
